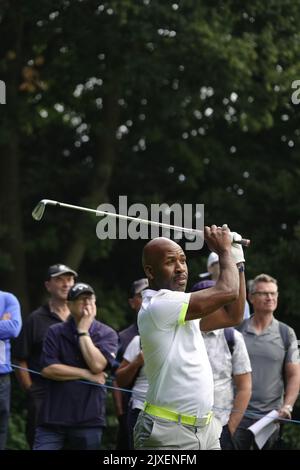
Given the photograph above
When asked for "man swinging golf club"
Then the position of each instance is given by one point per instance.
(177, 412)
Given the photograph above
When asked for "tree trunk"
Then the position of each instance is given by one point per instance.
(12, 243)
(104, 163)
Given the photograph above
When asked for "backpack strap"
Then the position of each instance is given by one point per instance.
(229, 336)
(284, 333)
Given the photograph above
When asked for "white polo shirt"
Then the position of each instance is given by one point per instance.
(140, 385)
(176, 362)
(224, 366)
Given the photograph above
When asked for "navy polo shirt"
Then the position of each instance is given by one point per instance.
(70, 402)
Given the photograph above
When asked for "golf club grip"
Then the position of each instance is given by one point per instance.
(243, 242)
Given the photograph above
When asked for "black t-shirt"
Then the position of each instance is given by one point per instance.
(29, 345)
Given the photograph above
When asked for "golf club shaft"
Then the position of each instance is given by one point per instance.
(39, 210)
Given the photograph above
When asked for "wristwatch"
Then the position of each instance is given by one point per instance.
(289, 408)
(83, 333)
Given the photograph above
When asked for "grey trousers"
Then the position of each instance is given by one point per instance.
(151, 432)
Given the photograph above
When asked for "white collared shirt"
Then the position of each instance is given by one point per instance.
(224, 366)
(140, 385)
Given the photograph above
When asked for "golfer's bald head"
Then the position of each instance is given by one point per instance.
(155, 250)
(164, 263)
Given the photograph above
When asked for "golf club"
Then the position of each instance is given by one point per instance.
(39, 210)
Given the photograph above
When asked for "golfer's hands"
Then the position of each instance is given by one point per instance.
(88, 315)
(218, 239)
(236, 249)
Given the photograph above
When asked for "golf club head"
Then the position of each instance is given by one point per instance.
(39, 209)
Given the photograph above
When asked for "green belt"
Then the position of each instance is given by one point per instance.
(177, 417)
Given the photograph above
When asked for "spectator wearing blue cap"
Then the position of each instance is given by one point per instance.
(75, 352)
(59, 278)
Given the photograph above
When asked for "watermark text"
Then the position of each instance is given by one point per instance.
(2, 92)
(161, 220)
(296, 94)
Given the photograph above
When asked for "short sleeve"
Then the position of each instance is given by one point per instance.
(133, 349)
(240, 358)
(50, 354)
(292, 354)
(107, 343)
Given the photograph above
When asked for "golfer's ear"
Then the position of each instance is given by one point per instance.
(149, 272)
